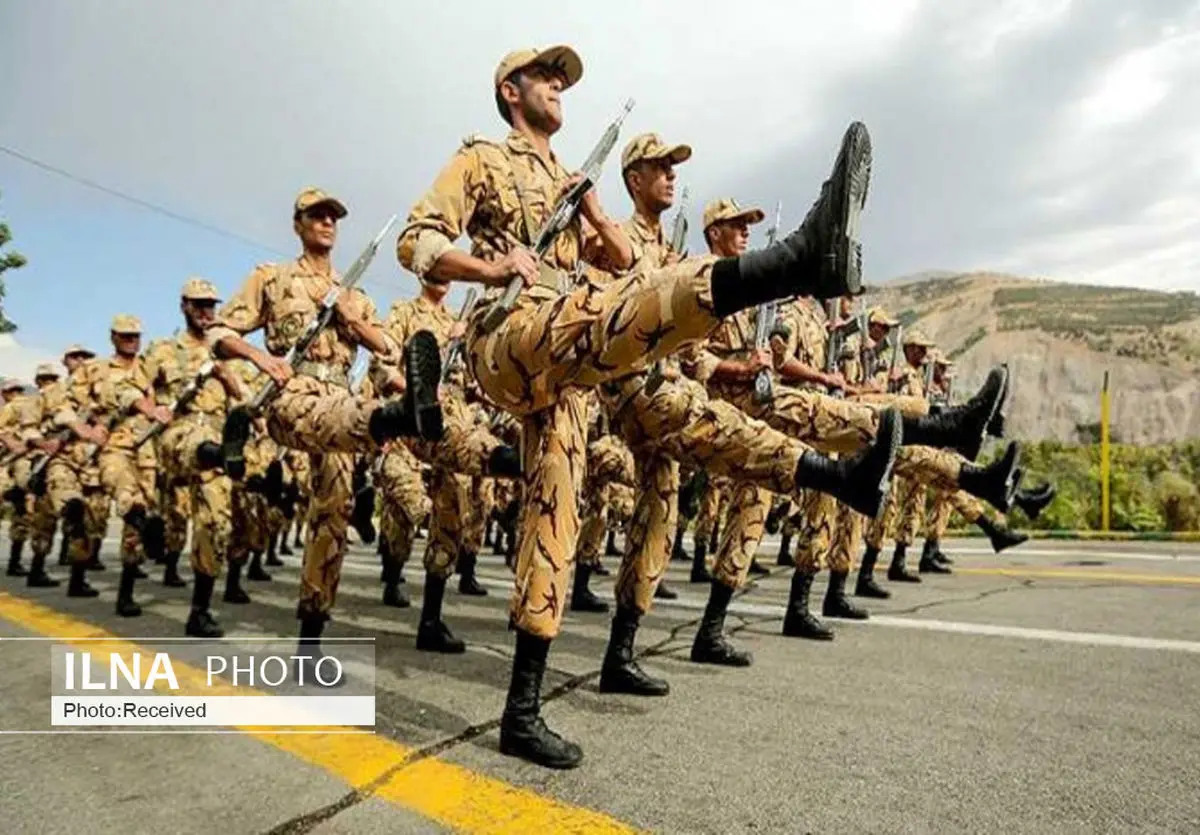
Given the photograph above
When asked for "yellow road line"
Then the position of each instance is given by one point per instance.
(1084, 574)
(457, 797)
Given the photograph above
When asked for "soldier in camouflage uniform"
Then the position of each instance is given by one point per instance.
(551, 348)
(19, 417)
(314, 410)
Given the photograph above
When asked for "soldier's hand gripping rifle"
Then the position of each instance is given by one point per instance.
(237, 423)
(180, 403)
(454, 348)
(679, 230)
(764, 322)
(564, 212)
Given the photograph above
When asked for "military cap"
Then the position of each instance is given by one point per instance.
(46, 369)
(200, 290)
(728, 209)
(941, 359)
(313, 196)
(126, 323)
(879, 316)
(650, 146)
(561, 58)
(12, 384)
(77, 349)
(915, 337)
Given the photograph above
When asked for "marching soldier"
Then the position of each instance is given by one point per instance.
(18, 430)
(551, 348)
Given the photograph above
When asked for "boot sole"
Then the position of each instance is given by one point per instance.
(995, 424)
(423, 372)
(971, 451)
(851, 181)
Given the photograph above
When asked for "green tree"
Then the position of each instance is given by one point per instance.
(9, 260)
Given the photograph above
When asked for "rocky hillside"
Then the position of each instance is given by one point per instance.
(1059, 340)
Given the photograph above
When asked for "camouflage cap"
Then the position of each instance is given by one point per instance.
(728, 209)
(77, 350)
(879, 316)
(915, 337)
(560, 57)
(941, 359)
(46, 369)
(11, 384)
(313, 196)
(126, 323)
(650, 146)
(200, 290)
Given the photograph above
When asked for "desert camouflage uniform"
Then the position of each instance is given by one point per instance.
(906, 503)
(19, 420)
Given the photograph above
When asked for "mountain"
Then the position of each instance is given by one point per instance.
(1059, 340)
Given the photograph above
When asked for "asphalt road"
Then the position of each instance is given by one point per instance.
(1053, 689)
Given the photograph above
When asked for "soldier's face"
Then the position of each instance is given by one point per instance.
(72, 362)
(654, 184)
(877, 332)
(127, 344)
(317, 227)
(730, 237)
(538, 98)
(915, 354)
(199, 314)
(44, 383)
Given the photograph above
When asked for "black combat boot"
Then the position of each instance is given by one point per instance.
(866, 585)
(620, 672)
(861, 481)
(710, 645)
(610, 545)
(64, 545)
(416, 414)
(996, 483)
(898, 572)
(393, 594)
(255, 572)
(929, 563)
(284, 549)
(468, 583)
(432, 633)
(678, 552)
(758, 569)
(362, 514)
(836, 604)
(504, 462)
(601, 570)
(664, 592)
(38, 578)
(234, 593)
(200, 622)
(171, 578)
(523, 733)
(93, 563)
(1001, 536)
(996, 425)
(208, 455)
(785, 550)
(700, 573)
(691, 493)
(776, 516)
(309, 650)
(960, 428)
(799, 622)
(126, 607)
(15, 569)
(823, 258)
(152, 530)
(1032, 502)
(273, 550)
(582, 597)
(78, 586)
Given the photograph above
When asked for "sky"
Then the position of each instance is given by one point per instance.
(1036, 137)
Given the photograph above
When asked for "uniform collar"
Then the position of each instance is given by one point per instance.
(519, 143)
(648, 229)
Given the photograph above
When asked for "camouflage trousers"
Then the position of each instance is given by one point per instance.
(680, 425)
(943, 506)
(902, 517)
(538, 364)
(21, 515)
(621, 501)
(714, 507)
(609, 462)
(826, 534)
(130, 485)
(65, 482)
(404, 499)
(209, 494)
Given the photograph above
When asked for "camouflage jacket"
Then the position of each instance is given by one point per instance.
(169, 364)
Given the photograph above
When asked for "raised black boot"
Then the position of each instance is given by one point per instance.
(126, 607)
(1002, 536)
(432, 633)
(273, 550)
(416, 414)
(996, 483)
(700, 573)
(620, 672)
(255, 572)
(37, 577)
(996, 426)
(15, 569)
(200, 622)
(836, 604)
(78, 586)
(710, 645)
(1033, 502)
(678, 552)
(664, 592)
(234, 593)
(582, 598)
(785, 550)
(960, 428)
(861, 481)
(610, 545)
(799, 622)
(866, 585)
(823, 258)
(898, 572)
(171, 578)
(523, 733)
(393, 594)
(468, 583)
(929, 563)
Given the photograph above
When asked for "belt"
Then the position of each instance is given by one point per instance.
(324, 372)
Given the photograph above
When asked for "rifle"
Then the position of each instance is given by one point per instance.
(833, 346)
(679, 230)
(180, 403)
(564, 212)
(927, 382)
(454, 349)
(898, 340)
(764, 321)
